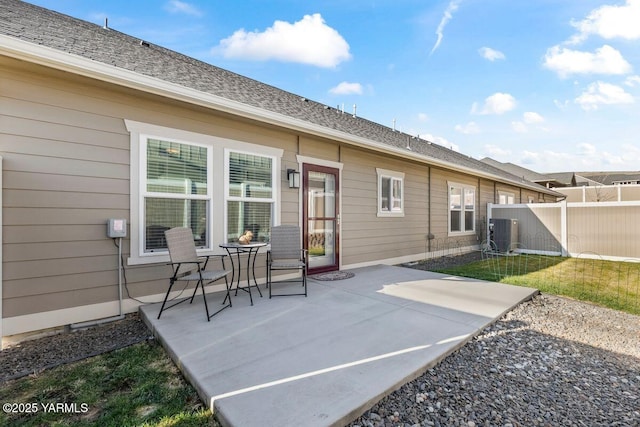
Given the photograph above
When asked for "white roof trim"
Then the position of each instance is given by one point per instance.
(53, 58)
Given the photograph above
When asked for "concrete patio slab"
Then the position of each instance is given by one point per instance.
(325, 359)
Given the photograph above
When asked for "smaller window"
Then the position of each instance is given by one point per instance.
(390, 193)
(505, 198)
(462, 209)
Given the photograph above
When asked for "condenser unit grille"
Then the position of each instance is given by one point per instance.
(504, 233)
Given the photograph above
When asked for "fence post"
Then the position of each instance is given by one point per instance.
(564, 232)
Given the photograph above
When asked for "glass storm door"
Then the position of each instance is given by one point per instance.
(321, 216)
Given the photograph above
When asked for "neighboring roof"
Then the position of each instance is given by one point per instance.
(582, 181)
(566, 179)
(609, 178)
(562, 179)
(43, 36)
(516, 170)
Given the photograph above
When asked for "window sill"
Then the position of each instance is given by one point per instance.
(390, 214)
(163, 257)
(461, 233)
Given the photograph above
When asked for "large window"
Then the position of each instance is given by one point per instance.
(390, 193)
(176, 191)
(217, 187)
(250, 195)
(462, 209)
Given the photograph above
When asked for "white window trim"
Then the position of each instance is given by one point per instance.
(275, 189)
(463, 187)
(506, 195)
(393, 175)
(139, 132)
(144, 193)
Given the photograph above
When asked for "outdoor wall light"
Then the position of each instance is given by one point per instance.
(294, 178)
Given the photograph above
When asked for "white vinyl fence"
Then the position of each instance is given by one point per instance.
(608, 230)
(601, 193)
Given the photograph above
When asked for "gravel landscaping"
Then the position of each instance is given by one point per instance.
(551, 361)
(34, 356)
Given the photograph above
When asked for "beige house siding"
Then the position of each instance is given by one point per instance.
(440, 207)
(319, 148)
(66, 171)
(367, 237)
(487, 193)
(66, 161)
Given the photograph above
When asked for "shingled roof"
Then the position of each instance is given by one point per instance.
(75, 38)
(552, 180)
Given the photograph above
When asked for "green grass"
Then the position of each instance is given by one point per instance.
(135, 386)
(608, 283)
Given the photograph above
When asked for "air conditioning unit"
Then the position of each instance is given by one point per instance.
(504, 233)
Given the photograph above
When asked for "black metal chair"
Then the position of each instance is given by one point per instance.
(188, 267)
(286, 253)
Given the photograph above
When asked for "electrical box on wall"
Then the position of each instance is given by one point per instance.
(116, 228)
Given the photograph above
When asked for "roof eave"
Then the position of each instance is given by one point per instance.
(75, 64)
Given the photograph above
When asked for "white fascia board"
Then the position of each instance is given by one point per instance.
(76, 64)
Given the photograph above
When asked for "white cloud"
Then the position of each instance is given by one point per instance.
(496, 152)
(562, 105)
(441, 141)
(177, 6)
(423, 117)
(586, 149)
(490, 54)
(498, 103)
(610, 22)
(308, 41)
(601, 93)
(468, 129)
(581, 156)
(448, 14)
(632, 81)
(631, 154)
(346, 88)
(531, 117)
(528, 118)
(519, 127)
(530, 157)
(605, 60)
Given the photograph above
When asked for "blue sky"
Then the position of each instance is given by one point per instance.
(551, 85)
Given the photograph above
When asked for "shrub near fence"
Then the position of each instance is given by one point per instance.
(587, 276)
